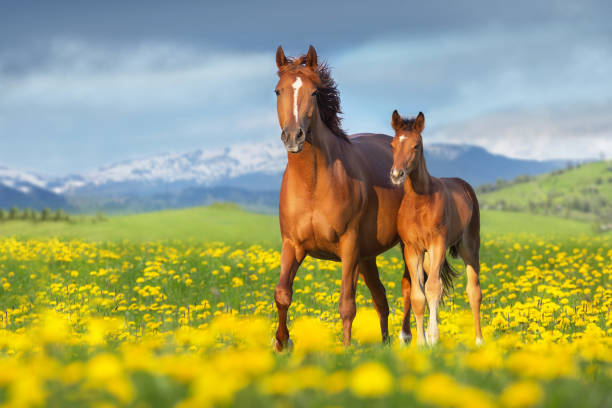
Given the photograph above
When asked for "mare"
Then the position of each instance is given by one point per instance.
(336, 200)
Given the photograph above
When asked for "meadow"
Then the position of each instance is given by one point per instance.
(176, 309)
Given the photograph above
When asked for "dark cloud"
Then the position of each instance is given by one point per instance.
(260, 25)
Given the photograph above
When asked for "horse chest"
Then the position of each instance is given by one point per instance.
(315, 230)
(418, 224)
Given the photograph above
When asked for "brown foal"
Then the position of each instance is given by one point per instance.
(436, 214)
(336, 200)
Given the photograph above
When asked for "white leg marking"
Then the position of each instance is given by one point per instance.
(405, 338)
(296, 89)
(432, 333)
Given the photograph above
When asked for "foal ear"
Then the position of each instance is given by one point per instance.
(396, 120)
(281, 60)
(311, 58)
(419, 123)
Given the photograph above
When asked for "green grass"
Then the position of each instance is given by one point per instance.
(226, 223)
(232, 224)
(504, 222)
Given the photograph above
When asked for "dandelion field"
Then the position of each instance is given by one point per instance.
(189, 324)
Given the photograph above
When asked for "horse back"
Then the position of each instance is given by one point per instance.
(462, 205)
(376, 156)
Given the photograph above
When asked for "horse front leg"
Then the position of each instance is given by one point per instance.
(405, 336)
(291, 258)
(433, 289)
(347, 306)
(414, 262)
(369, 273)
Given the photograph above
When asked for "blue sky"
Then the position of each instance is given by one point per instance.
(83, 85)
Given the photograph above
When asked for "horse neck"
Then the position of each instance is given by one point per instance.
(320, 151)
(419, 181)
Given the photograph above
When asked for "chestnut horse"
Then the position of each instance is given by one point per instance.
(436, 214)
(336, 199)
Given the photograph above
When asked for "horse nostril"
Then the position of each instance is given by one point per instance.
(284, 136)
(397, 173)
(300, 133)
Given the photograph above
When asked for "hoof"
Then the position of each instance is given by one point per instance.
(432, 337)
(405, 338)
(282, 347)
(479, 342)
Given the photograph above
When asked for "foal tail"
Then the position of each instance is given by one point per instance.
(448, 273)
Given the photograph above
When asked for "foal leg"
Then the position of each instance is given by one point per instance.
(414, 261)
(469, 254)
(369, 273)
(347, 306)
(433, 289)
(291, 258)
(405, 336)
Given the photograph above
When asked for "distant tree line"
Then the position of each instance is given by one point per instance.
(45, 215)
(523, 178)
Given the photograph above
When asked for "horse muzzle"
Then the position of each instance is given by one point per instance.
(293, 140)
(397, 176)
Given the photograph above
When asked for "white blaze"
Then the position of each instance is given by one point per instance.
(402, 137)
(296, 89)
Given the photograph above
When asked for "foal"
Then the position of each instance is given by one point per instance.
(436, 214)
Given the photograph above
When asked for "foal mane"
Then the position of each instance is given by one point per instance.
(328, 97)
(407, 123)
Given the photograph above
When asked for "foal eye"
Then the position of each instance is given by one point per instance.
(277, 92)
(416, 147)
(315, 93)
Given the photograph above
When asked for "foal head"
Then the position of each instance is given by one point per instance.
(304, 90)
(407, 145)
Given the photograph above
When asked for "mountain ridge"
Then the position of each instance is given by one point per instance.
(234, 171)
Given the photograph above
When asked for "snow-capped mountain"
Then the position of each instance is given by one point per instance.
(249, 174)
(21, 180)
(200, 167)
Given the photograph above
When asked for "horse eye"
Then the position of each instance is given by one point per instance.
(315, 93)
(277, 92)
(416, 147)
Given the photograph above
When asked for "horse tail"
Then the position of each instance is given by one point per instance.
(448, 273)
(475, 221)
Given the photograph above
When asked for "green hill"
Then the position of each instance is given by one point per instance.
(229, 223)
(582, 192)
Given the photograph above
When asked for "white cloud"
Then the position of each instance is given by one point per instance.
(551, 133)
(146, 77)
(80, 106)
(80, 103)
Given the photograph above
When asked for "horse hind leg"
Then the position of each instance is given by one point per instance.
(369, 273)
(405, 336)
(468, 250)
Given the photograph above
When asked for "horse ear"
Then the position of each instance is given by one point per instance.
(311, 58)
(396, 120)
(281, 60)
(419, 123)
